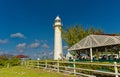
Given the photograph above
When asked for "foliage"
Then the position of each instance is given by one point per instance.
(5, 56)
(96, 67)
(8, 59)
(76, 33)
(14, 61)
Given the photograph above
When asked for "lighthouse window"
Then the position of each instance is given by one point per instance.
(57, 21)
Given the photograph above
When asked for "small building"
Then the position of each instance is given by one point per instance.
(69, 56)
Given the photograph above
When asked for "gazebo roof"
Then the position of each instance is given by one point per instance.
(92, 41)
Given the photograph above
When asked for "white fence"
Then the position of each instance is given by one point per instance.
(77, 68)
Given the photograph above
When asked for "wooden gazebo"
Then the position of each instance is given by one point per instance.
(93, 41)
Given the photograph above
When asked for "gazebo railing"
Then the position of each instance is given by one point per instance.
(100, 60)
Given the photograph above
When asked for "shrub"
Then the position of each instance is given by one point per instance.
(12, 62)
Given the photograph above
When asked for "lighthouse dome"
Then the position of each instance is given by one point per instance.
(57, 21)
(57, 18)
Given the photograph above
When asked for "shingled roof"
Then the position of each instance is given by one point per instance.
(92, 41)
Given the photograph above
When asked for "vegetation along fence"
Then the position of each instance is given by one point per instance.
(87, 69)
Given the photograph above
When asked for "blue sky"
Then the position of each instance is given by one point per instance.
(26, 26)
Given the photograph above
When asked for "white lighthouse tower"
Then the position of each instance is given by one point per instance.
(57, 39)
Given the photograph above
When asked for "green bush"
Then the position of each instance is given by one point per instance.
(12, 62)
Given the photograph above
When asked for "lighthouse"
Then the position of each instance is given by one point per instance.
(57, 39)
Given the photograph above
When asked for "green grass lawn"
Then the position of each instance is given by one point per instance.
(29, 72)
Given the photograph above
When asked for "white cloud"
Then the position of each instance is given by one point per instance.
(45, 46)
(43, 41)
(3, 41)
(21, 47)
(36, 40)
(1, 52)
(65, 47)
(20, 35)
(51, 53)
(35, 45)
(44, 54)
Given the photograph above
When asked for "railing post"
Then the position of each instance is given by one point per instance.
(38, 62)
(32, 64)
(74, 67)
(25, 63)
(8, 65)
(45, 64)
(116, 69)
(22, 63)
(58, 65)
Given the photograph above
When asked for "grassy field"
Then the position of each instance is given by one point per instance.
(29, 72)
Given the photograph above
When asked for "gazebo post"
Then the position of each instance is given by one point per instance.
(97, 54)
(119, 54)
(91, 56)
(106, 53)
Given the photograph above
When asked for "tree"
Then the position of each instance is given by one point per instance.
(76, 33)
